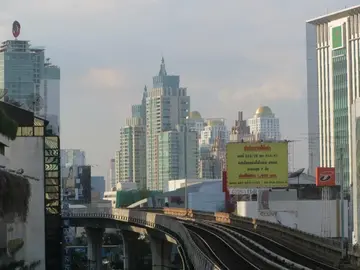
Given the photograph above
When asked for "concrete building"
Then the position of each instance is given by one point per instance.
(333, 84)
(117, 166)
(209, 165)
(195, 122)
(98, 185)
(355, 168)
(264, 125)
(35, 152)
(167, 105)
(178, 155)
(31, 81)
(50, 86)
(71, 157)
(240, 131)
(111, 177)
(132, 153)
(215, 129)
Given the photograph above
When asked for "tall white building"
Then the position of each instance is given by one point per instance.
(110, 181)
(132, 156)
(72, 157)
(215, 129)
(264, 125)
(178, 155)
(167, 105)
(50, 90)
(333, 83)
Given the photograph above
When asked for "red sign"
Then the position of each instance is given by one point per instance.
(16, 29)
(325, 177)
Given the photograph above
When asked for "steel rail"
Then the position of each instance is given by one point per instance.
(226, 254)
(296, 257)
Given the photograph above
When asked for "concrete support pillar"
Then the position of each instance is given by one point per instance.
(134, 251)
(161, 251)
(95, 240)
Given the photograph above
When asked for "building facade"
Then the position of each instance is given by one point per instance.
(98, 185)
(195, 122)
(240, 131)
(333, 84)
(71, 157)
(111, 177)
(178, 155)
(167, 105)
(132, 153)
(30, 80)
(264, 125)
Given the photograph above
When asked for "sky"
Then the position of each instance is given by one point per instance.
(231, 55)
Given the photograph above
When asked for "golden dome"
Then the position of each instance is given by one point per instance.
(194, 115)
(263, 111)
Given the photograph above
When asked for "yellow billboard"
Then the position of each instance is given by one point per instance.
(257, 165)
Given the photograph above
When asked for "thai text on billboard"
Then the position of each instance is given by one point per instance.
(257, 165)
(325, 177)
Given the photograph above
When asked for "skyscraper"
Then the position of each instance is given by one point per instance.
(264, 125)
(178, 155)
(132, 158)
(30, 81)
(332, 86)
(167, 105)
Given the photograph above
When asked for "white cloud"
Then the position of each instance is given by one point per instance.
(104, 79)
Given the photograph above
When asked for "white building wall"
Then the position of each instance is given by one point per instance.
(27, 153)
(309, 216)
(312, 99)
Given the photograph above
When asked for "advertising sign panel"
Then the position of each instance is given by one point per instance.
(325, 177)
(257, 165)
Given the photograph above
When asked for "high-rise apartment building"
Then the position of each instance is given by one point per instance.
(178, 155)
(30, 80)
(215, 129)
(132, 156)
(111, 177)
(167, 105)
(264, 125)
(333, 83)
(70, 157)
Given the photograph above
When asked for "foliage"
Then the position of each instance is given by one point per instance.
(13, 247)
(8, 127)
(15, 194)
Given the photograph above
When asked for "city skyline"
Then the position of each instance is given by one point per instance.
(225, 73)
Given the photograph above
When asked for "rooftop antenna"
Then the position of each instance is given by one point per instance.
(35, 102)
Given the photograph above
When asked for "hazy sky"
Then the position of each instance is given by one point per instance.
(232, 55)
